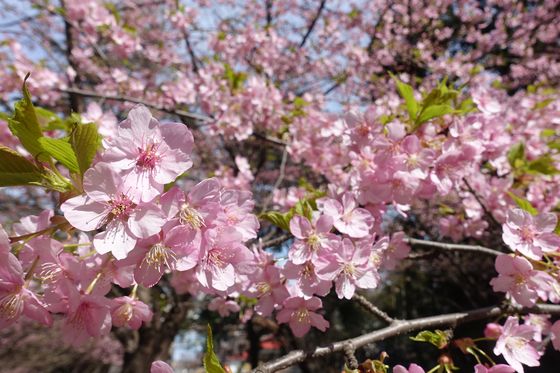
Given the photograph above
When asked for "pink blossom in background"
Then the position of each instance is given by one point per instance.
(159, 366)
(412, 368)
(300, 316)
(531, 236)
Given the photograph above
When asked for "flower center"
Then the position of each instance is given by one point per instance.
(11, 306)
(263, 288)
(160, 255)
(148, 157)
(189, 216)
(121, 206)
(349, 269)
(527, 234)
(313, 241)
(124, 313)
(302, 315)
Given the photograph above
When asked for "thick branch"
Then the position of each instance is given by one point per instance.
(400, 327)
(313, 23)
(181, 113)
(453, 247)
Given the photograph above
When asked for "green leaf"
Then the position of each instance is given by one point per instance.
(523, 204)
(407, 93)
(303, 208)
(543, 165)
(211, 362)
(62, 151)
(279, 219)
(438, 338)
(49, 121)
(516, 155)
(25, 125)
(85, 141)
(548, 132)
(15, 169)
(543, 104)
(434, 111)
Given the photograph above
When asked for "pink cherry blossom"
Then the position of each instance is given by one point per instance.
(159, 366)
(298, 313)
(349, 267)
(107, 203)
(15, 299)
(126, 311)
(412, 368)
(149, 154)
(555, 335)
(396, 251)
(515, 345)
(223, 306)
(531, 236)
(519, 280)
(221, 252)
(347, 217)
(88, 316)
(311, 238)
(499, 368)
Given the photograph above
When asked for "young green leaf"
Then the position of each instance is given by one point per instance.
(62, 151)
(85, 141)
(277, 218)
(15, 169)
(523, 204)
(25, 125)
(516, 155)
(211, 361)
(438, 338)
(543, 165)
(432, 112)
(407, 93)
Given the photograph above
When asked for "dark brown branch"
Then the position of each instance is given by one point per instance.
(268, 7)
(487, 212)
(181, 113)
(399, 327)
(190, 49)
(368, 306)
(75, 100)
(453, 246)
(313, 23)
(276, 241)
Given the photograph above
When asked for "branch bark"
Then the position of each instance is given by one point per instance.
(398, 327)
(194, 118)
(313, 23)
(453, 247)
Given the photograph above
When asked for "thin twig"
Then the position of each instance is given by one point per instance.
(453, 246)
(313, 23)
(276, 241)
(372, 309)
(180, 113)
(487, 212)
(399, 327)
(279, 180)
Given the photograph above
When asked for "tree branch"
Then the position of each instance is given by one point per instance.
(399, 327)
(493, 220)
(453, 247)
(372, 309)
(313, 23)
(194, 118)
